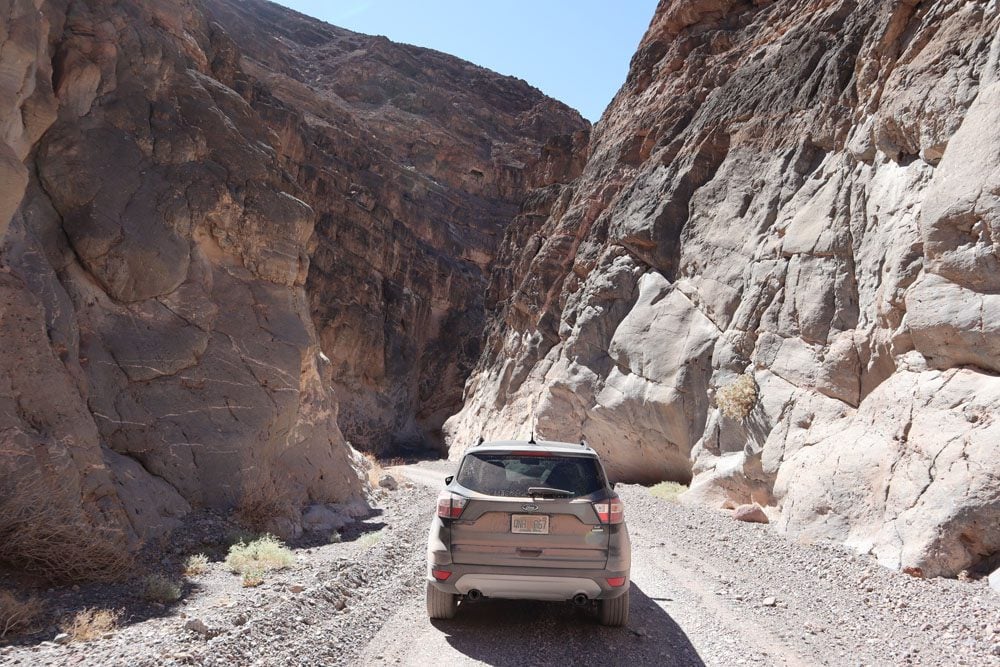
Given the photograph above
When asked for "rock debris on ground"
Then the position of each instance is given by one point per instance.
(705, 590)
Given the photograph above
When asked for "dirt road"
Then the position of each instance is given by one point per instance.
(705, 590)
(709, 590)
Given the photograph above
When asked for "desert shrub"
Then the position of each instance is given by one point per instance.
(52, 538)
(18, 615)
(195, 564)
(158, 588)
(737, 398)
(373, 468)
(667, 490)
(261, 502)
(265, 553)
(89, 624)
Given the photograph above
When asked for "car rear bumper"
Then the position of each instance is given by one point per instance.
(516, 583)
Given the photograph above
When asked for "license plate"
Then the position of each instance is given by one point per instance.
(532, 524)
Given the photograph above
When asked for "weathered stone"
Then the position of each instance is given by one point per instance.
(198, 626)
(321, 518)
(750, 514)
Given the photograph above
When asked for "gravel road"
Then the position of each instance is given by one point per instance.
(702, 589)
(706, 590)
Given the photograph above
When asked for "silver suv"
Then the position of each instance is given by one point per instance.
(529, 521)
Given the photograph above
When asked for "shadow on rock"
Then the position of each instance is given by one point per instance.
(509, 632)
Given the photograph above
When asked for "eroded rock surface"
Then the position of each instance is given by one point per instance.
(806, 192)
(215, 216)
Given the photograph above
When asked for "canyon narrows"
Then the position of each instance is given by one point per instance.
(804, 193)
(235, 239)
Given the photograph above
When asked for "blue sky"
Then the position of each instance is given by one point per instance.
(577, 51)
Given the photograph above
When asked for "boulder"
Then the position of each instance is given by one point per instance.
(750, 513)
(323, 519)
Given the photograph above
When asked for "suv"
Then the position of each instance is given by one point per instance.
(529, 521)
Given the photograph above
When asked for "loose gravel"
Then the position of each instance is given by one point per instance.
(706, 590)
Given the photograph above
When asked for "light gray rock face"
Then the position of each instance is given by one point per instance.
(808, 194)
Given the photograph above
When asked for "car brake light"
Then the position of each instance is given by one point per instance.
(450, 506)
(610, 511)
(441, 575)
(616, 582)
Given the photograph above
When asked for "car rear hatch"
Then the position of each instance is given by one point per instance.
(516, 513)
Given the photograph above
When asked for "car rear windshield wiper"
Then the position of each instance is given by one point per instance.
(546, 491)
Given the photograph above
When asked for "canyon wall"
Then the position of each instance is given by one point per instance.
(804, 192)
(415, 162)
(216, 217)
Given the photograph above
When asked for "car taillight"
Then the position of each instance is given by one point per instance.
(610, 511)
(441, 575)
(450, 506)
(616, 582)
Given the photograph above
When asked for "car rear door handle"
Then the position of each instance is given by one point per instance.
(529, 552)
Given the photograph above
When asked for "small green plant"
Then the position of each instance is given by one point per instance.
(335, 538)
(737, 399)
(158, 588)
(195, 564)
(253, 577)
(265, 553)
(667, 490)
(18, 615)
(368, 540)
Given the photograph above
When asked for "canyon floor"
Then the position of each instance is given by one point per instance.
(706, 590)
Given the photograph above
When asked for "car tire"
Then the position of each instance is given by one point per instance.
(440, 605)
(613, 612)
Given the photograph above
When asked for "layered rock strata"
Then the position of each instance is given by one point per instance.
(210, 223)
(806, 193)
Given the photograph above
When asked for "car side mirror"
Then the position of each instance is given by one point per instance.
(447, 480)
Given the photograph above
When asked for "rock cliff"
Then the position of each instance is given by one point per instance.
(804, 192)
(215, 217)
(415, 162)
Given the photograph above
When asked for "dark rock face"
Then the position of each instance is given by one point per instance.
(415, 162)
(219, 216)
(805, 192)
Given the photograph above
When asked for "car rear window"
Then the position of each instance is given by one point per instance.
(512, 474)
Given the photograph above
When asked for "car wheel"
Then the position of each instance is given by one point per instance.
(440, 604)
(613, 612)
